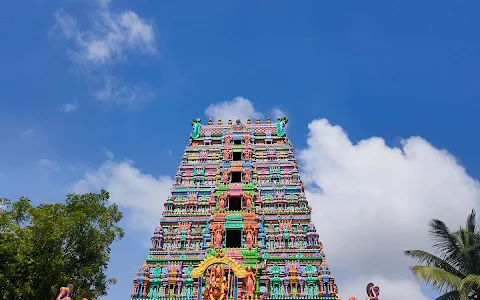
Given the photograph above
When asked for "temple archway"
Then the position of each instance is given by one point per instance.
(218, 277)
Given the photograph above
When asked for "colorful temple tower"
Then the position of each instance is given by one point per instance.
(237, 224)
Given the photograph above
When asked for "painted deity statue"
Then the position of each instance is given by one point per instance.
(247, 154)
(226, 154)
(218, 237)
(196, 125)
(65, 292)
(249, 237)
(228, 140)
(246, 175)
(282, 121)
(250, 278)
(373, 292)
(246, 139)
(217, 284)
(221, 201)
(226, 176)
(248, 201)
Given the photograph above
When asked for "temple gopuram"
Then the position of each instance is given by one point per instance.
(237, 224)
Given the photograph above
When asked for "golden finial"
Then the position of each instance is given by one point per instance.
(249, 121)
(229, 122)
(258, 121)
(210, 122)
(219, 122)
(268, 120)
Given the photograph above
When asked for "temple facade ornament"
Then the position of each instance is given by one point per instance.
(237, 224)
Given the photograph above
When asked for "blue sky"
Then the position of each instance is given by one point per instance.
(99, 93)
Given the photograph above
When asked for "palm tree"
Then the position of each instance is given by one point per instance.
(454, 269)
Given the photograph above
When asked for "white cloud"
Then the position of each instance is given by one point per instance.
(238, 108)
(66, 24)
(377, 200)
(109, 154)
(48, 165)
(111, 36)
(119, 93)
(104, 3)
(278, 112)
(109, 39)
(68, 107)
(141, 194)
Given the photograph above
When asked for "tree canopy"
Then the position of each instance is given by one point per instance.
(45, 247)
(454, 267)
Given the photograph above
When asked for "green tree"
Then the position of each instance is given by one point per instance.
(45, 247)
(454, 268)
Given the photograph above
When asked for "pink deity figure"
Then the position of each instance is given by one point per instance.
(246, 139)
(247, 154)
(218, 237)
(226, 154)
(228, 140)
(246, 175)
(248, 201)
(250, 281)
(65, 292)
(373, 292)
(225, 176)
(221, 201)
(352, 298)
(249, 237)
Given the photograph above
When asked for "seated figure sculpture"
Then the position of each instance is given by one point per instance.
(217, 285)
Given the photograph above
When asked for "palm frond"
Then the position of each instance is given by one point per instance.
(471, 225)
(438, 278)
(453, 295)
(469, 283)
(423, 257)
(446, 242)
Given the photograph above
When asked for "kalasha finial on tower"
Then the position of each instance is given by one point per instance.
(210, 122)
(249, 121)
(258, 121)
(219, 122)
(269, 121)
(229, 122)
(238, 122)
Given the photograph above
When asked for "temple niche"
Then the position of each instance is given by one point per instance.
(237, 224)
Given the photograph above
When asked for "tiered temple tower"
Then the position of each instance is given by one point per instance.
(237, 224)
